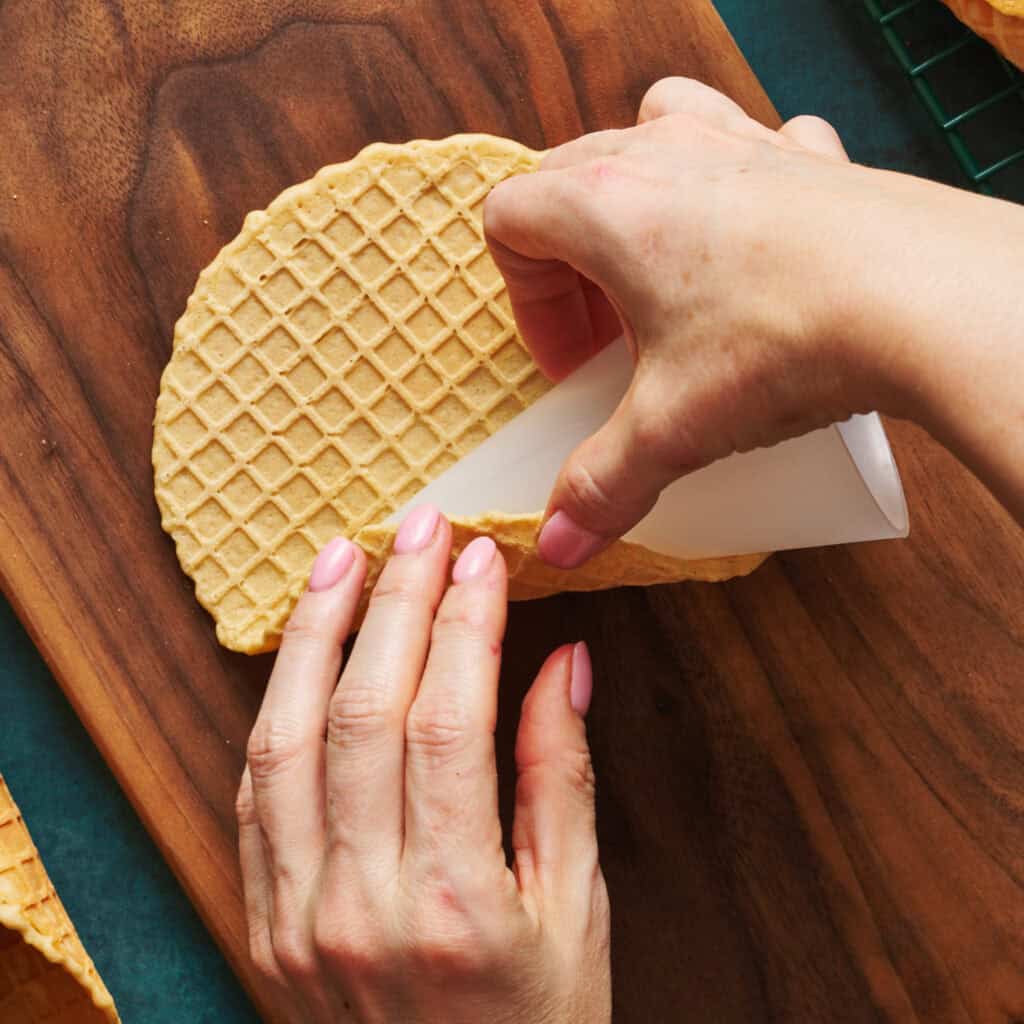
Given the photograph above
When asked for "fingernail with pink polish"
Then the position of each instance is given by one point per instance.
(581, 684)
(565, 544)
(334, 560)
(475, 559)
(417, 530)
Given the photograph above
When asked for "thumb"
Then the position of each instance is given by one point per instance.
(606, 486)
(553, 833)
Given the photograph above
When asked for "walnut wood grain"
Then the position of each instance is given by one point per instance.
(810, 780)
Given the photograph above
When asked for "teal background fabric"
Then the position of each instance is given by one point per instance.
(146, 940)
(813, 56)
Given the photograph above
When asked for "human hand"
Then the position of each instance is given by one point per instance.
(695, 234)
(374, 874)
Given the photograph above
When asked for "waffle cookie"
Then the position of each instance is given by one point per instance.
(624, 564)
(1001, 22)
(348, 346)
(46, 977)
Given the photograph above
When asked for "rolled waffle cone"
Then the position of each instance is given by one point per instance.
(348, 346)
(1001, 22)
(46, 977)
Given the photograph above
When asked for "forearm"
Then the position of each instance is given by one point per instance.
(936, 313)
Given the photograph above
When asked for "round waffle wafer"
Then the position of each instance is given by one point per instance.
(46, 976)
(349, 345)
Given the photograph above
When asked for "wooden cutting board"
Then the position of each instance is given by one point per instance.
(810, 780)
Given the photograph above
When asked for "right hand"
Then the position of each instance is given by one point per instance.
(693, 234)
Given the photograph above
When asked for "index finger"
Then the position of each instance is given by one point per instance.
(562, 316)
(538, 233)
(544, 237)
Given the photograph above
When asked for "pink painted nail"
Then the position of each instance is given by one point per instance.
(581, 685)
(334, 560)
(474, 560)
(416, 531)
(564, 544)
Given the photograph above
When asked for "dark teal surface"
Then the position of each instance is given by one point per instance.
(146, 940)
(813, 56)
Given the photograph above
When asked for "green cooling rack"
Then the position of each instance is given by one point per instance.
(972, 93)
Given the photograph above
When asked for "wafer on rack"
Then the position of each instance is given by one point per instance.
(1001, 22)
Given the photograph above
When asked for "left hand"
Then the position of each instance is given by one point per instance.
(375, 878)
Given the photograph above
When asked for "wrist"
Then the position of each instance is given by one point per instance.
(931, 320)
(924, 308)
(833, 280)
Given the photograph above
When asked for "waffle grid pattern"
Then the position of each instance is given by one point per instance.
(353, 342)
(46, 977)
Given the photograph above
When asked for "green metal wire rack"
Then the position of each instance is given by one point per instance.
(972, 93)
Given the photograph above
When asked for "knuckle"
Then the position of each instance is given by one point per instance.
(261, 951)
(684, 125)
(293, 952)
(650, 431)
(572, 768)
(557, 156)
(308, 626)
(437, 731)
(452, 956)
(263, 959)
(577, 769)
(815, 122)
(593, 176)
(359, 710)
(651, 106)
(459, 925)
(462, 618)
(355, 953)
(447, 943)
(590, 497)
(245, 804)
(273, 747)
(664, 436)
(656, 436)
(663, 96)
(501, 207)
(813, 132)
(396, 591)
